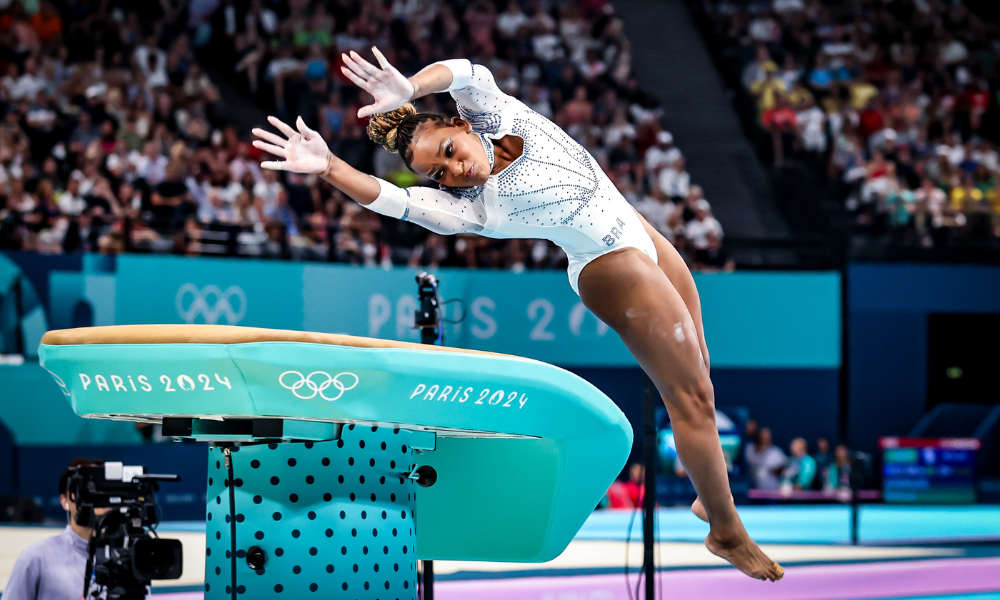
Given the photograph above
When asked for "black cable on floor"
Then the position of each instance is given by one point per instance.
(656, 545)
(628, 539)
(642, 571)
(232, 519)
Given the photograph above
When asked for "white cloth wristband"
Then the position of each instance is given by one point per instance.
(391, 200)
(461, 72)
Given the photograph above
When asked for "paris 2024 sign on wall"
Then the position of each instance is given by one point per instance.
(754, 319)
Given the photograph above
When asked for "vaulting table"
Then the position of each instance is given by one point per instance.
(352, 457)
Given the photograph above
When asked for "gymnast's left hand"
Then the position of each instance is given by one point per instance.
(304, 150)
(387, 85)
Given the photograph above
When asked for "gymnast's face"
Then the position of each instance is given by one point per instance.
(451, 155)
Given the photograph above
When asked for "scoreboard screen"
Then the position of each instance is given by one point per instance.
(929, 470)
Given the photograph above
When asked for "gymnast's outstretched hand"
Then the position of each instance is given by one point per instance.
(304, 150)
(387, 85)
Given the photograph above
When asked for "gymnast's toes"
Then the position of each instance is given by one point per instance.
(746, 556)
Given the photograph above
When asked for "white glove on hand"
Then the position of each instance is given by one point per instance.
(304, 150)
(387, 85)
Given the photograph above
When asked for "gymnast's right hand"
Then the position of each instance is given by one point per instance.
(304, 150)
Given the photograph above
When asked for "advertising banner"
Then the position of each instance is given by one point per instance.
(752, 320)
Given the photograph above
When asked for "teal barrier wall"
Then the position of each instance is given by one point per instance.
(752, 320)
(37, 413)
(22, 311)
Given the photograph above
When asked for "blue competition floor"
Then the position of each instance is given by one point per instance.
(793, 524)
(815, 524)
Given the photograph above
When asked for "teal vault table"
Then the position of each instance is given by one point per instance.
(341, 460)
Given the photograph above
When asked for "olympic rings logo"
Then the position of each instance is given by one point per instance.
(316, 384)
(210, 303)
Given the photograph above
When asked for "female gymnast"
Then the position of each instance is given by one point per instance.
(504, 171)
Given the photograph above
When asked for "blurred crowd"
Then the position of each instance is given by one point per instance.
(894, 99)
(802, 468)
(106, 117)
(763, 465)
(114, 138)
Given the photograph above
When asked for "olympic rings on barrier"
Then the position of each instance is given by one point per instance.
(318, 385)
(210, 303)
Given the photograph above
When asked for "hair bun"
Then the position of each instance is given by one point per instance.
(383, 127)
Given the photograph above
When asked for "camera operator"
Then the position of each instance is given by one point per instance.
(53, 569)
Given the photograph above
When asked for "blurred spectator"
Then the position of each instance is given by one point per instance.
(674, 180)
(765, 461)
(823, 460)
(703, 228)
(767, 89)
(431, 253)
(216, 209)
(636, 484)
(511, 20)
(663, 153)
(811, 122)
(623, 494)
(781, 121)
(800, 470)
(838, 474)
(714, 257)
(657, 208)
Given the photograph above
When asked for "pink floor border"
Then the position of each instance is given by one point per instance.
(823, 582)
(891, 579)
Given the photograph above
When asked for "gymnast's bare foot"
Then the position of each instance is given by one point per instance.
(744, 554)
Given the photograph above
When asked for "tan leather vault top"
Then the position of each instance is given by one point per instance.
(224, 334)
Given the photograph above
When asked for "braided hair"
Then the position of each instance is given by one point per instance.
(396, 129)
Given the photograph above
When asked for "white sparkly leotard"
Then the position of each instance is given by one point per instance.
(555, 190)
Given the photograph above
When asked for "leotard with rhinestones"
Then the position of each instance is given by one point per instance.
(555, 190)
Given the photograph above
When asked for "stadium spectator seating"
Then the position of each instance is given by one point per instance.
(115, 136)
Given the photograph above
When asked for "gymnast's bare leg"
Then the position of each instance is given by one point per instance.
(673, 266)
(634, 296)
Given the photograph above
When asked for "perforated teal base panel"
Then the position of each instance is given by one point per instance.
(335, 519)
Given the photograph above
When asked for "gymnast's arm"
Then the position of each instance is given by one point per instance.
(388, 86)
(472, 86)
(305, 151)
